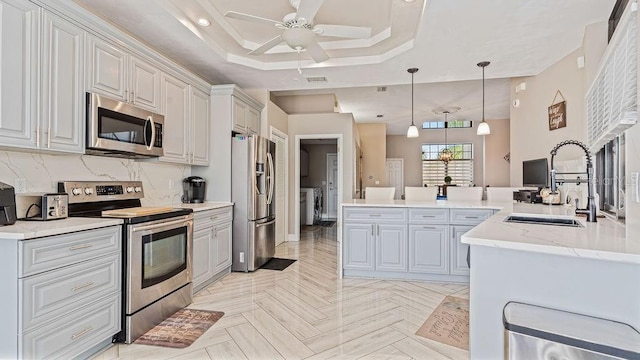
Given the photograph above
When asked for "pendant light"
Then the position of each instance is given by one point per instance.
(412, 132)
(483, 127)
(446, 154)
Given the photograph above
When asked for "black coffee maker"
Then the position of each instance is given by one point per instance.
(194, 190)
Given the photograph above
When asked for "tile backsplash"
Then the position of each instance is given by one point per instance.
(162, 182)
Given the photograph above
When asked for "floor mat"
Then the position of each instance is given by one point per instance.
(277, 264)
(325, 223)
(180, 329)
(449, 323)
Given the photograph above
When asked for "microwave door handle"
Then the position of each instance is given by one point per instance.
(150, 123)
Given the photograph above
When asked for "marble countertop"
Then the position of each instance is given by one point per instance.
(424, 204)
(209, 205)
(23, 230)
(604, 240)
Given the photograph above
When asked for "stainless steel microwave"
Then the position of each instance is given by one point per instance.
(116, 128)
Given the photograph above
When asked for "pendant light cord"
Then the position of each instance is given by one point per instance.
(483, 93)
(412, 124)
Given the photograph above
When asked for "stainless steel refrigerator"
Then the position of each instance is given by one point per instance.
(252, 191)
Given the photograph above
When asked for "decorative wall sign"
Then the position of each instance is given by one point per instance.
(557, 113)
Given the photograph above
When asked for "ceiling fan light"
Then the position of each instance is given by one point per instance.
(298, 37)
(483, 128)
(412, 132)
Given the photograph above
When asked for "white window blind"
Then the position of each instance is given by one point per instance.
(434, 171)
(611, 102)
(460, 168)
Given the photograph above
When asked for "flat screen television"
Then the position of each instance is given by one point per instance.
(535, 173)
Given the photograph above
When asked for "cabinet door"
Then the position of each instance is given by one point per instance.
(107, 69)
(19, 28)
(358, 247)
(429, 249)
(63, 115)
(252, 119)
(202, 264)
(199, 127)
(145, 85)
(238, 114)
(222, 251)
(391, 247)
(175, 141)
(459, 250)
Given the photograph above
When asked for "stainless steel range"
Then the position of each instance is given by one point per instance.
(156, 274)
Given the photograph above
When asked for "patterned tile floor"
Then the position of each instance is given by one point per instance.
(306, 312)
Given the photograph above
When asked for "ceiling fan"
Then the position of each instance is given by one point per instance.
(299, 31)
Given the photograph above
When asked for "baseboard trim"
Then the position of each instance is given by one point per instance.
(292, 237)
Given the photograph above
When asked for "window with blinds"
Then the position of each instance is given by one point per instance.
(460, 168)
(612, 100)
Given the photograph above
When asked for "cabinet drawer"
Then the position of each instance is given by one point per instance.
(61, 291)
(470, 216)
(70, 336)
(210, 218)
(429, 216)
(375, 214)
(48, 253)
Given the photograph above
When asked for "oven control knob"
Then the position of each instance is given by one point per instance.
(88, 191)
(129, 189)
(76, 191)
(138, 189)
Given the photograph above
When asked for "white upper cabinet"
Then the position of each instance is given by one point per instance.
(19, 34)
(111, 71)
(186, 122)
(63, 116)
(236, 110)
(175, 140)
(200, 123)
(36, 39)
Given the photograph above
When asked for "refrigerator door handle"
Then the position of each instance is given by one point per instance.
(266, 223)
(270, 178)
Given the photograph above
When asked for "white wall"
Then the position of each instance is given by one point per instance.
(307, 124)
(43, 171)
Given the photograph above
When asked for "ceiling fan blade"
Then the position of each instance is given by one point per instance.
(266, 46)
(247, 17)
(343, 31)
(308, 8)
(317, 52)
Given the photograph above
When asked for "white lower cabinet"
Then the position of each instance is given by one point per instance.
(429, 249)
(211, 245)
(459, 250)
(62, 294)
(391, 247)
(408, 243)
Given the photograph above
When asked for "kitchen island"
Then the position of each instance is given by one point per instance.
(591, 270)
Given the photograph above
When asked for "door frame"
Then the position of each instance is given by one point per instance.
(401, 173)
(274, 132)
(296, 195)
(327, 191)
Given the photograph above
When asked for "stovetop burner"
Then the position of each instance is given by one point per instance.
(91, 198)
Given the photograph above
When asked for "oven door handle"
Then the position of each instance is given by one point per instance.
(161, 225)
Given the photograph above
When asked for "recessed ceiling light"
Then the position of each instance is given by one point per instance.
(204, 22)
(409, 0)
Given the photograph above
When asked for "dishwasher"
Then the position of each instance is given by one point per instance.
(534, 332)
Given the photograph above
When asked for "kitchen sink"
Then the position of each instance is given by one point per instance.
(523, 219)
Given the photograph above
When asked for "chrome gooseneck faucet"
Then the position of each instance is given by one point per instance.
(590, 210)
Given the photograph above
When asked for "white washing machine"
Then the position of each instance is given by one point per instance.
(310, 205)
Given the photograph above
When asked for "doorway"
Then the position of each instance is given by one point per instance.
(311, 178)
(332, 187)
(282, 183)
(395, 175)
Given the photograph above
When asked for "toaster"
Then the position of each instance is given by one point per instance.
(42, 206)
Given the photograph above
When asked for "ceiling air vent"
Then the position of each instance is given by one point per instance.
(316, 79)
(382, 88)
